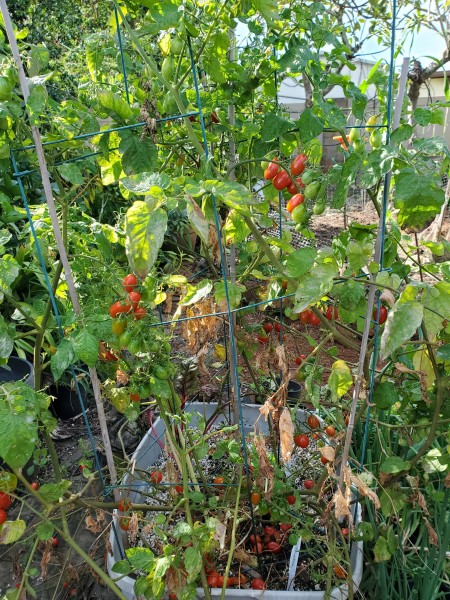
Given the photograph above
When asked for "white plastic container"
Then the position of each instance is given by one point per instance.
(148, 452)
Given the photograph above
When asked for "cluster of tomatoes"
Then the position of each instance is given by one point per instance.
(130, 305)
(283, 180)
(272, 540)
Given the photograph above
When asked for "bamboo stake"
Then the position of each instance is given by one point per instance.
(58, 237)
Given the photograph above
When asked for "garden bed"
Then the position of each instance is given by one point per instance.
(149, 453)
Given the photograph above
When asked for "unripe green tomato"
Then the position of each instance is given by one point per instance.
(5, 89)
(156, 86)
(125, 338)
(169, 105)
(359, 145)
(161, 373)
(299, 214)
(311, 190)
(353, 135)
(376, 138)
(420, 433)
(168, 68)
(167, 347)
(176, 45)
(308, 176)
(319, 207)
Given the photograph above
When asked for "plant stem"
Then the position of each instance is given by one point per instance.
(233, 533)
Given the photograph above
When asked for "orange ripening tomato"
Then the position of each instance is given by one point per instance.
(295, 201)
(292, 188)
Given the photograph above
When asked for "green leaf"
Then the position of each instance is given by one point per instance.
(145, 231)
(267, 8)
(146, 183)
(71, 173)
(309, 126)
(115, 105)
(385, 395)
(234, 293)
(141, 586)
(62, 358)
(394, 464)
(122, 567)
(340, 379)
(36, 102)
(138, 155)
(274, 127)
(236, 229)
(418, 198)
(300, 261)
(402, 323)
(436, 298)
(161, 566)
(392, 500)
(18, 419)
(164, 13)
(317, 282)
(11, 531)
(443, 352)
(140, 558)
(45, 530)
(180, 529)
(192, 561)
(434, 146)
(85, 346)
(54, 491)
(402, 133)
(160, 388)
(195, 293)
(348, 175)
(7, 333)
(381, 550)
(9, 270)
(359, 254)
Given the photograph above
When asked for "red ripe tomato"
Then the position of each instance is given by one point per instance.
(129, 283)
(314, 319)
(5, 500)
(340, 572)
(135, 298)
(309, 484)
(301, 440)
(295, 201)
(267, 327)
(299, 164)
(324, 460)
(258, 584)
(72, 593)
(66, 585)
(313, 421)
(277, 327)
(290, 499)
(139, 313)
(292, 188)
(213, 580)
(156, 477)
(124, 505)
(109, 356)
(263, 339)
(382, 316)
(300, 359)
(254, 539)
(330, 312)
(124, 523)
(220, 581)
(344, 531)
(35, 485)
(179, 489)
(274, 547)
(271, 170)
(281, 181)
(269, 531)
(55, 542)
(285, 527)
(135, 397)
(255, 498)
(172, 597)
(305, 316)
(118, 308)
(258, 548)
(3, 516)
(330, 431)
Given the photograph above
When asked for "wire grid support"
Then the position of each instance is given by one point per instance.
(19, 175)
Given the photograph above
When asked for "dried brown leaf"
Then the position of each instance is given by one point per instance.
(286, 428)
(265, 479)
(365, 490)
(92, 525)
(72, 573)
(431, 533)
(388, 297)
(342, 500)
(101, 516)
(328, 452)
(245, 558)
(169, 302)
(121, 377)
(220, 534)
(214, 244)
(282, 362)
(46, 556)
(133, 528)
(175, 580)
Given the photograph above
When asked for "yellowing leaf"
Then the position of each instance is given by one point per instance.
(340, 380)
(220, 351)
(422, 363)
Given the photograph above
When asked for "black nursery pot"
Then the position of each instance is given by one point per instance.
(294, 391)
(66, 403)
(17, 369)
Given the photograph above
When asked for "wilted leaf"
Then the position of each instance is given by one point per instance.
(340, 379)
(286, 428)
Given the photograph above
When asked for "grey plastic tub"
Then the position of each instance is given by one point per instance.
(148, 452)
